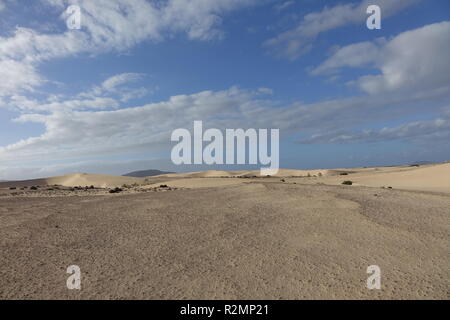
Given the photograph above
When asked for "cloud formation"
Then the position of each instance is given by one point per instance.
(413, 60)
(419, 131)
(299, 40)
(108, 25)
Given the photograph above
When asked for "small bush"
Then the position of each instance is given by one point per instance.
(115, 190)
(12, 188)
(33, 188)
(348, 182)
(164, 186)
(344, 174)
(319, 174)
(282, 180)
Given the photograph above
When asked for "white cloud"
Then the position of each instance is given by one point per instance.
(284, 5)
(71, 134)
(419, 131)
(113, 82)
(24, 104)
(112, 25)
(297, 41)
(114, 86)
(415, 60)
(17, 77)
(4, 4)
(354, 55)
(108, 95)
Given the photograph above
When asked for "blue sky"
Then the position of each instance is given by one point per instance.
(106, 98)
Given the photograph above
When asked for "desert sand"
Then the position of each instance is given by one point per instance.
(229, 235)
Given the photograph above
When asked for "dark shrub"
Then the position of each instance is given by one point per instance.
(12, 188)
(33, 188)
(164, 186)
(344, 174)
(347, 182)
(115, 190)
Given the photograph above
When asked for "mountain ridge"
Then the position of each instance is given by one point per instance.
(146, 173)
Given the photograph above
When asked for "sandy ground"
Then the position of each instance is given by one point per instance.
(207, 237)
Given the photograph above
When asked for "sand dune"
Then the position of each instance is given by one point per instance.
(282, 173)
(257, 173)
(76, 179)
(210, 174)
(426, 178)
(299, 173)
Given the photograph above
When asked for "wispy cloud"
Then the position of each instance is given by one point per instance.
(420, 131)
(284, 5)
(300, 39)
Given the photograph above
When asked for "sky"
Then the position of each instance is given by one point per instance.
(106, 98)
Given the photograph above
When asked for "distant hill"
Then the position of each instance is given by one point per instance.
(146, 173)
(422, 163)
